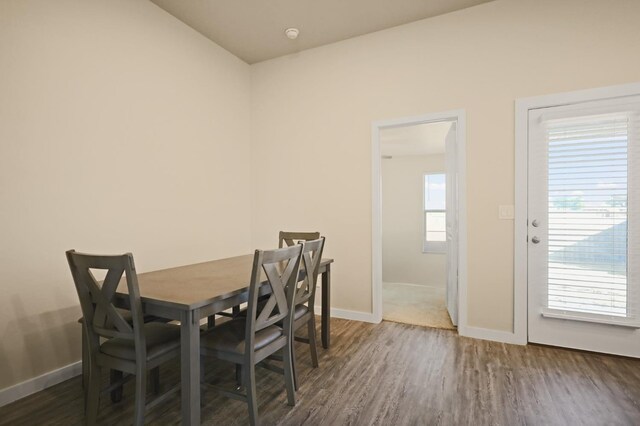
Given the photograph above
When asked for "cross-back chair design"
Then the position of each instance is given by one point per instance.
(304, 313)
(291, 238)
(285, 239)
(114, 342)
(116, 394)
(248, 340)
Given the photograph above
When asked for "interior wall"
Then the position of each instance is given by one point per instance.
(312, 113)
(121, 130)
(403, 259)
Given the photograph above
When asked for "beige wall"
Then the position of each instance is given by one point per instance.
(403, 260)
(312, 114)
(121, 129)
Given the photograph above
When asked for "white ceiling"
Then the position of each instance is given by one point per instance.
(421, 139)
(253, 30)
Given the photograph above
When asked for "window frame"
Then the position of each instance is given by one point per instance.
(432, 247)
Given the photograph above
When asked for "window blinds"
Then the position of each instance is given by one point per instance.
(435, 208)
(593, 162)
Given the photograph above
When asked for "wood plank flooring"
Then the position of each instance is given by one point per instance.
(395, 374)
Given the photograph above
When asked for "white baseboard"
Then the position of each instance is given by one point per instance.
(473, 332)
(493, 335)
(349, 315)
(28, 387)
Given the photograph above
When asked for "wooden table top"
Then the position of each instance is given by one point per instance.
(193, 286)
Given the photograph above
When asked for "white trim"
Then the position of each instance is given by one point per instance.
(376, 223)
(31, 386)
(493, 335)
(520, 247)
(522, 107)
(594, 318)
(349, 315)
(376, 205)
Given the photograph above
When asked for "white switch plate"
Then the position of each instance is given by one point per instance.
(506, 212)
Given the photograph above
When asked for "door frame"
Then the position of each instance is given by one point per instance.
(522, 107)
(459, 116)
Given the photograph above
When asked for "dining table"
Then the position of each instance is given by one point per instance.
(190, 294)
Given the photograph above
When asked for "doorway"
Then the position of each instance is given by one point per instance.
(416, 217)
(576, 240)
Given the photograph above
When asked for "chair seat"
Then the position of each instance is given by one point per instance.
(300, 311)
(160, 338)
(230, 337)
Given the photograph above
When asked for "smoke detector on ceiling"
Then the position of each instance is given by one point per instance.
(292, 33)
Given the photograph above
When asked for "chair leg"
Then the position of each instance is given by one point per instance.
(93, 396)
(155, 380)
(85, 363)
(250, 385)
(141, 393)
(289, 373)
(86, 368)
(116, 394)
(294, 373)
(311, 325)
(239, 379)
(202, 363)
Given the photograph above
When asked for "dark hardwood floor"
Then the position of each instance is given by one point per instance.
(395, 374)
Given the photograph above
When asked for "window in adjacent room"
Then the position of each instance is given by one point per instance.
(435, 232)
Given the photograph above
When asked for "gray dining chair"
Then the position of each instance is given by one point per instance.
(285, 237)
(291, 238)
(132, 347)
(248, 340)
(304, 312)
(116, 394)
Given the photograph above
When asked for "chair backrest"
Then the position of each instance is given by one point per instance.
(281, 268)
(101, 318)
(311, 258)
(291, 238)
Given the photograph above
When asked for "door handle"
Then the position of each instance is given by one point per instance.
(535, 223)
(535, 240)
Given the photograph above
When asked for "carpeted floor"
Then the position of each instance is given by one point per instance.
(415, 304)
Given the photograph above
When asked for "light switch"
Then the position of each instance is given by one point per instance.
(506, 212)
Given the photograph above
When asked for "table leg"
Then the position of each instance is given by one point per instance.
(326, 307)
(190, 367)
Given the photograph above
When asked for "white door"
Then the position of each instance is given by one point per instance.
(452, 223)
(584, 226)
